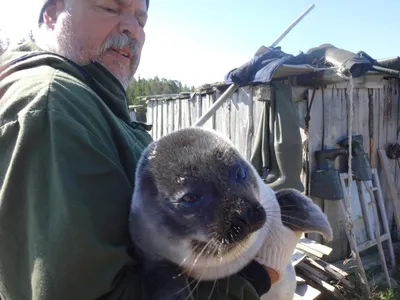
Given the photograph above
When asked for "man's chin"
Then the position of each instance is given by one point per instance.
(123, 76)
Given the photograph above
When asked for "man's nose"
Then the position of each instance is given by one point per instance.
(130, 26)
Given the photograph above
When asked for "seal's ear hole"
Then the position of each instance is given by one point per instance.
(241, 174)
(195, 170)
(219, 154)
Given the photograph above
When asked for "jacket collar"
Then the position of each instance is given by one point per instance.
(103, 82)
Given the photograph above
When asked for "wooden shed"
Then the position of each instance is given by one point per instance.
(376, 109)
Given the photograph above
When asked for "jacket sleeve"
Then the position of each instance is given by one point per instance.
(64, 203)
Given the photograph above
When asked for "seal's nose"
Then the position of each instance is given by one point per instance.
(254, 217)
(243, 223)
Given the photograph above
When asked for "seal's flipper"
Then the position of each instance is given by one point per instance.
(301, 214)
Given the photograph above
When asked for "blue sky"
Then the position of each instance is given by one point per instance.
(199, 41)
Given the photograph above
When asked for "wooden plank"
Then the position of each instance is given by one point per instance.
(368, 221)
(392, 192)
(391, 134)
(378, 234)
(307, 243)
(319, 284)
(149, 116)
(368, 244)
(331, 268)
(314, 144)
(310, 251)
(318, 273)
(171, 114)
(349, 227)
(336, 274)
(396, 171)
(177, 114)
(234, 116)
(383, 123)
(222, 117)
(373, 119)
(160, 120)
(382, 209)
(184, 113)
(250, 130)
(164, 122)
(206, 104)
(358, 219)
(242, 120)
(335, 115)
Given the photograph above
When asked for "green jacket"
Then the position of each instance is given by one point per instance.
(67, 168)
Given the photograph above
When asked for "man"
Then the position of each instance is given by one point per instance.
(68, 156)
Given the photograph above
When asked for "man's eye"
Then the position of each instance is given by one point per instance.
(108, 9)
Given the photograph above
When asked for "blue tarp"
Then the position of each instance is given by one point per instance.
(261, 68)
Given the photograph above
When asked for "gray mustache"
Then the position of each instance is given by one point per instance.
(120, 41)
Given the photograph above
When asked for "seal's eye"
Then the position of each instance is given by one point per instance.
(241, 174)
(189, 198)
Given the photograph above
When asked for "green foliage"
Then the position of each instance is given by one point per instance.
(154, 86)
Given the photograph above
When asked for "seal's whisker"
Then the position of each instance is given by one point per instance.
(215, 281)
(199, 255)
(204, 271)
(212, 290)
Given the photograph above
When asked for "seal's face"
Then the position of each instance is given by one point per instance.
(199, 199)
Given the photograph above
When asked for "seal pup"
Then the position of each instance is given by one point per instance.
(197, 204)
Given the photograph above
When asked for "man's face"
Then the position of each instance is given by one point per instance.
(108, 31)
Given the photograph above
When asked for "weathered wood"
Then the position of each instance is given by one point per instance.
(212, 109)
(336, 274)
(392, 191)
(349, 227)
(327, 125)
(383, 123)
(318, 273)
(315, 143)
(313, 247)
(317, 283)
(164, 124)
(378, 234)
(382, 210)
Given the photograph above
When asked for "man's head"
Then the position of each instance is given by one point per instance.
(110, 32)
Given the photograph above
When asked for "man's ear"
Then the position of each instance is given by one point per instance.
(300, 213)
(52, 12)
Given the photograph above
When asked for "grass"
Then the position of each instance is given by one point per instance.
(380, 291)
(384, 293)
